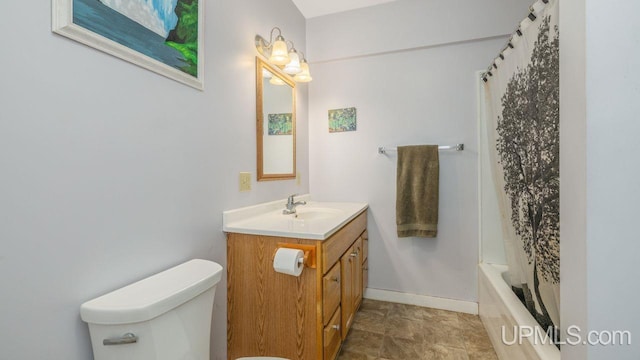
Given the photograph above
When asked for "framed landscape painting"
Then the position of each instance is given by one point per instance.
(341, 120)
(164, 36)
(281, 124)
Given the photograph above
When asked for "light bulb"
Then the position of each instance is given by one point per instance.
(276, 81)
(293, 67)
(304, 75)
(279, 53)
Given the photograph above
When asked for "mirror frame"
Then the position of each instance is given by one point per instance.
(260, 65)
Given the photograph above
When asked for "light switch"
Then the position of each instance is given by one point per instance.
(245, 181)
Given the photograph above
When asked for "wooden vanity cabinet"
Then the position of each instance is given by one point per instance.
(332, 338)
(298, 318)
(365, 260)
(331, 291)
(351, 297)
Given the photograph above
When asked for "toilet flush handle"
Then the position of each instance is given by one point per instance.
(127, 338)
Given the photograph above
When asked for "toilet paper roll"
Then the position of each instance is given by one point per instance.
(289, 261)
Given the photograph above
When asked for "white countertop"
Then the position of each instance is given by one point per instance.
(316, 220)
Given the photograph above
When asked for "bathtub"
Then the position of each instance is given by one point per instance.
(499, 307)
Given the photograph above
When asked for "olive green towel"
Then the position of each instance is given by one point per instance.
(417, 191)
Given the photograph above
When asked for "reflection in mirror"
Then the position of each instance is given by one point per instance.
(276, 123)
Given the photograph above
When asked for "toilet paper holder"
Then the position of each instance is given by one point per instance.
(309, 253)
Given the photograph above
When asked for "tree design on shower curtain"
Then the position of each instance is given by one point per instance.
(528, 146)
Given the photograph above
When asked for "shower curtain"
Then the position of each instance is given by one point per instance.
(522, 98)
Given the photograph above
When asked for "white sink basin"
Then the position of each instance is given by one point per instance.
(314, 213)
(316, 220)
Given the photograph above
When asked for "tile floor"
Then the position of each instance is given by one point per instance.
(389, 331)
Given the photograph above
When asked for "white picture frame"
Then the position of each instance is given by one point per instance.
(181, 70)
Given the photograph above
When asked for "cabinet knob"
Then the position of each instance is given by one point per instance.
(354, 254)
(336, 327)
(336, 279)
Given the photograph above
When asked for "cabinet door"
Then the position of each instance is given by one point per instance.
(365, 274)
(365, 245)
(347, 300)
(357, 274)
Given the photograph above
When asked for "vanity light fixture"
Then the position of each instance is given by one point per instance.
(276, 81)
(304, 75)
(273, 80)
(278, 53)
(293, 67)
(284, 56)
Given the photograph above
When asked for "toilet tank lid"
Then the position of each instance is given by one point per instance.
(153, 296)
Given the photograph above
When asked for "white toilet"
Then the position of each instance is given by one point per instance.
(164, 317)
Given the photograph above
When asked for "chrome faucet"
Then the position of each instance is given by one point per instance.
(291, 205)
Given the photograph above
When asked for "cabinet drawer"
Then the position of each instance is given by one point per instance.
(331, 337)
(338, 243)
(330, 293)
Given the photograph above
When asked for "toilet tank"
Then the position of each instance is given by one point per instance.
(164, 317)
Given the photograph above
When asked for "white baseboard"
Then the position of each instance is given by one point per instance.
(468, 307)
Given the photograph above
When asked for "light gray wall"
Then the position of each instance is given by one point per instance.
(612, 93)
(409, 67)
(110, 173)
(276, 99)
(600, 194)
(408, 24)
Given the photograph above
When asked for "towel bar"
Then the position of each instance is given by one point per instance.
(456, 147)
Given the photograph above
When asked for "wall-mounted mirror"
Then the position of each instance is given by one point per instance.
(276, 123)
